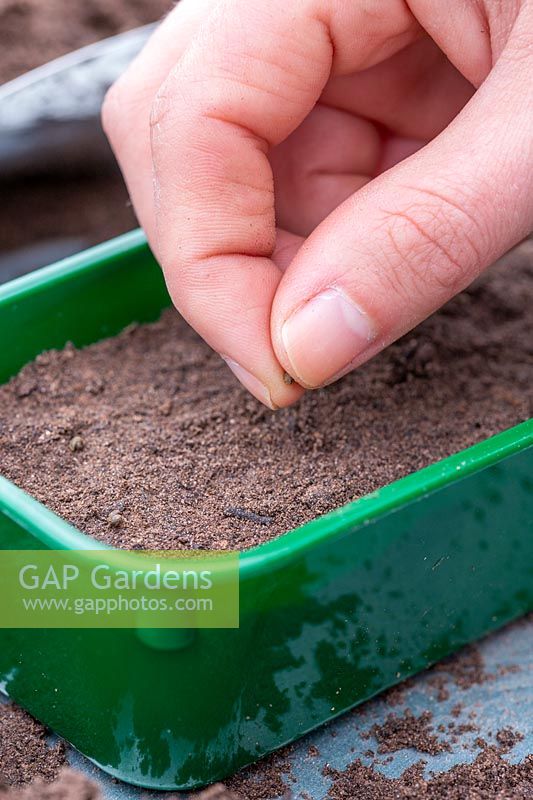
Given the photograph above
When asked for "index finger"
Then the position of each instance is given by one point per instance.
(237, 91)
(251, 74)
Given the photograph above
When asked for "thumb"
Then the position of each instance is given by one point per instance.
(402, 246)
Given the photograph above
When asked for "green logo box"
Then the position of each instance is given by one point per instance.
(119, 589)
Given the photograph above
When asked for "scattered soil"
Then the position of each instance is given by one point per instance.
(173, 453)
(33, 32)
(271, 777)
(265, 780)
(507, 738)
(25, 754)
(408, 730)
(464, 672)
(489, 777)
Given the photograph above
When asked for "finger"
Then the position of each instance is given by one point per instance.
(411, 239)
(239, 90)
(126, 117)
(127, 106)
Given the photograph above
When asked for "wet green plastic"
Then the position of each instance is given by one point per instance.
(331, 613)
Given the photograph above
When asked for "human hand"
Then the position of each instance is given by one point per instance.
(390, 142)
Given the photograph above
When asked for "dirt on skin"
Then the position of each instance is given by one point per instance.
(147, 440)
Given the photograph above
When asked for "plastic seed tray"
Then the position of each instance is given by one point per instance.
(330, 613)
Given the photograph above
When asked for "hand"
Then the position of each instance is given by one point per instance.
(391, 143)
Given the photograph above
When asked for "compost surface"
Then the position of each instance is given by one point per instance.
(147, 440)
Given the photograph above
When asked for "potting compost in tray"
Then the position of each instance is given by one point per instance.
(147, 440)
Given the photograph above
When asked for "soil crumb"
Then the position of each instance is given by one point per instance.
(408, 730)
(25, 754)
(176, 455)
(507, 738)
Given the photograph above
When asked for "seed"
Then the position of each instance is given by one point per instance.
(76, 443)
(114, 519)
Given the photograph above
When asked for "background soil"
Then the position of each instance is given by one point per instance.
(86, 209)
(35, 31)
(147, 440)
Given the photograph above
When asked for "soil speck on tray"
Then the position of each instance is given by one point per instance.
(216, 469)
(25, 754)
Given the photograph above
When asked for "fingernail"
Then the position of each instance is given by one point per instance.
(322, 337)
(250, 382)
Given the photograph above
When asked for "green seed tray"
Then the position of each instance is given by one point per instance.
(330, 613)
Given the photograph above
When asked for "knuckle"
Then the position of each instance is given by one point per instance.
(436, 247)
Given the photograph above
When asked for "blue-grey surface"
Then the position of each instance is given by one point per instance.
(504, 700)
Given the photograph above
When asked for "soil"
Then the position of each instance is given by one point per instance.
(408, 730)
(25, 753)
(33, 32)
(490, 380)
(217, 792)
(62, 213)
(264, 780)
(85, 211)
(146, 440)
(489, 777)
